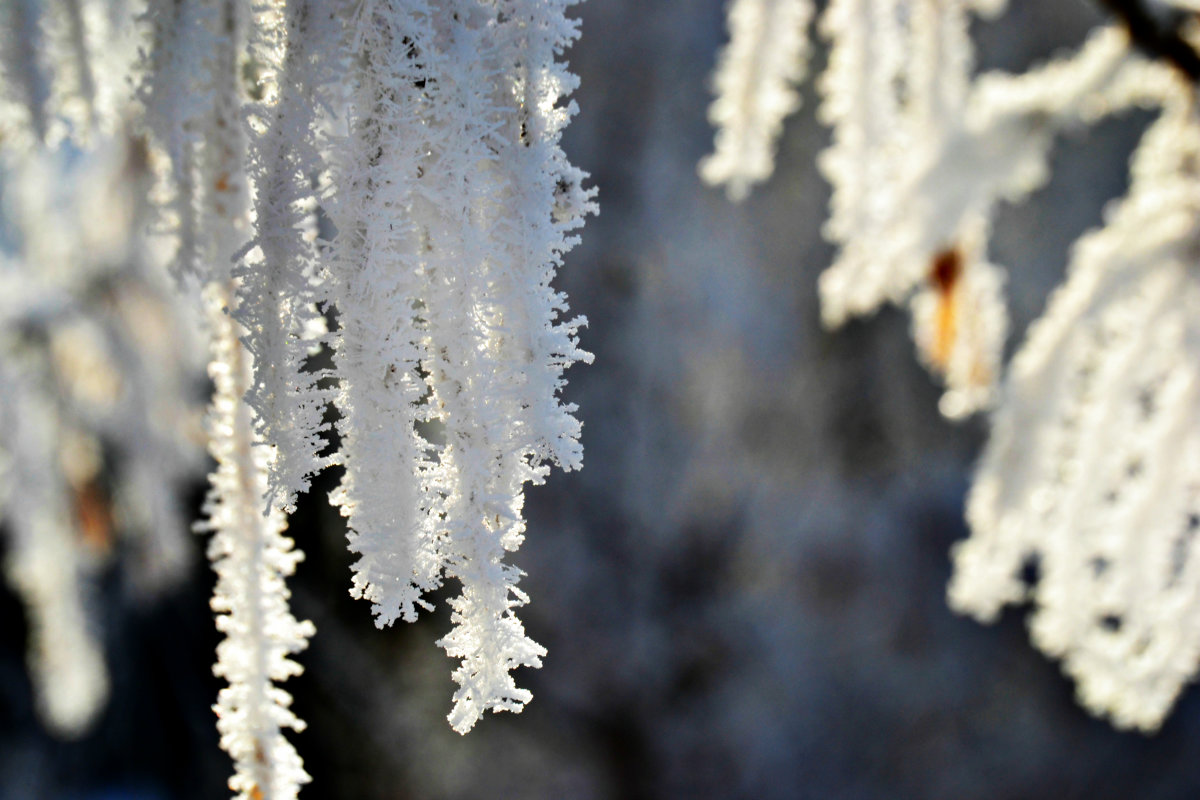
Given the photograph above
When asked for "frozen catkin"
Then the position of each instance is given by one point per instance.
(1091, 469)
(756, 89)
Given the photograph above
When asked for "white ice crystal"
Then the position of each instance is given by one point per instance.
(252, 559)
(755, 85)
(454, 208)
(1092, 466)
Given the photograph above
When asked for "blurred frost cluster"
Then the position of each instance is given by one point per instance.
(1091, 471)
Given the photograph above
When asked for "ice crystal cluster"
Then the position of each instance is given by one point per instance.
(1092, 471)
(366, 202)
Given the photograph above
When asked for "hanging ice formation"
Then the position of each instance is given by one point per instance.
(393, 164)
(1091, 469)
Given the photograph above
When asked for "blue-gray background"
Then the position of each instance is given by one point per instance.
(742, 593)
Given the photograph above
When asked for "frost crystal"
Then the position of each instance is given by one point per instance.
(455, 207)
(1092, 468)
(251, 558)
(755, 86)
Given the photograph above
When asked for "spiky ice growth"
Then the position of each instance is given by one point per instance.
(252, 559)
(755, 85)
(1092, 468)
(281, 277)
(453, 208)
(96, 365)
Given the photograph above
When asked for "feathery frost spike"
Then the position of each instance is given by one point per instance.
(882, 150)
(252, 558)
(64, 66)
(216, 188)
(281, 279)
(26, 86)
(1093, 466)
(755, 85)
(388, 494)
(178, 88)
(859, 102)
(94, 362)
(46, 564)
(454, 207)
(498, 351)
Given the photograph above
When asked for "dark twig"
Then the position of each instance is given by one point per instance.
(1150, 35)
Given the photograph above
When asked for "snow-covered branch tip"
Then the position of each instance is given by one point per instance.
(252, 559)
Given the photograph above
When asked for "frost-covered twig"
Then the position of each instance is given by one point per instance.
(96, 369)
(378, 275)
(961, 148)
(252, 559)
(1092, 465)
(454, 206)
(755, 84)
(281, 278)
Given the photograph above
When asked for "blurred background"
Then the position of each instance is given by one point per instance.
(742, 593)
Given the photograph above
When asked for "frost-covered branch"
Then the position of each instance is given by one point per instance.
(281, 277)
(427, 132)
(453, 175)
(378, 273)
(96, 367)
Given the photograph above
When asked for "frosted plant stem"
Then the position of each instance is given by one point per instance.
(251, 558)
(755, 83)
